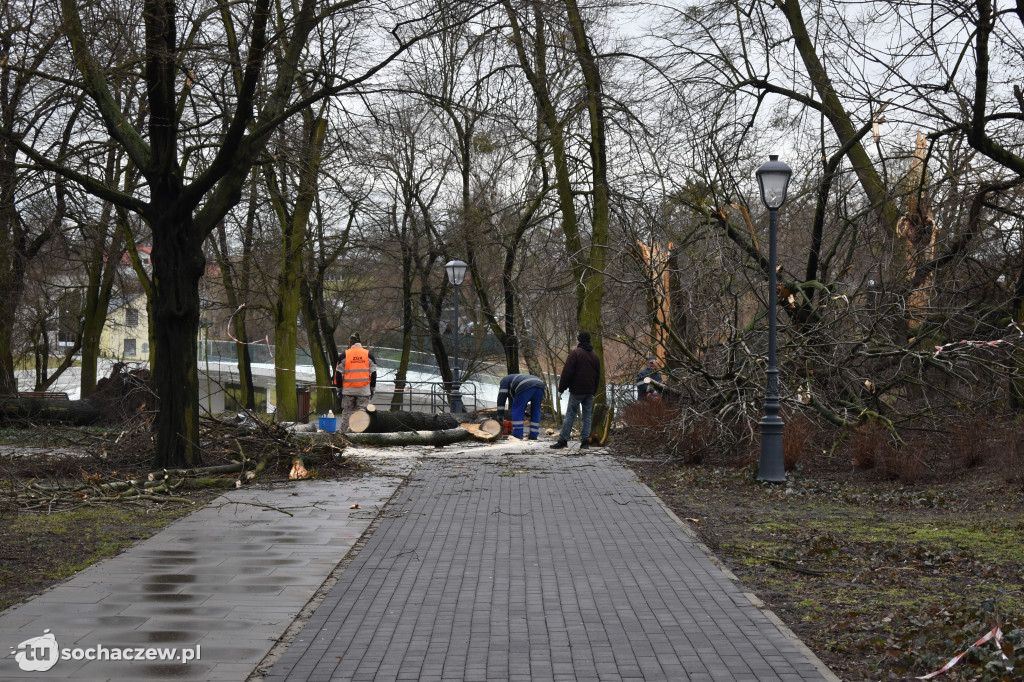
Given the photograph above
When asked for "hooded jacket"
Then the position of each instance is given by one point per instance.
(582, 371)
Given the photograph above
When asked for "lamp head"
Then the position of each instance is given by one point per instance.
(456, 270)
(773, 180)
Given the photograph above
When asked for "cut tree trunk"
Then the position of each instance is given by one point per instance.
(372, 420)
(444, 437)
(76, 412)
(489, 429)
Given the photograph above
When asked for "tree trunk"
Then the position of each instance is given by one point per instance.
(286, 315)
(293, 239)
(601, 423)
(1017, 382)
(408, 318)
(175, 302)
(372, 420)
(321, 368)
(587, 265)
(237, 283)
(590, 295)
(75, 412)
(437, 438)
(104, 261)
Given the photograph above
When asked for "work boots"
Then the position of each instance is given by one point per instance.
(584, 444)
(559, 444)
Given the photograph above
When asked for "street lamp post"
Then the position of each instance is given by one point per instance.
(773, 180)
(456, 270)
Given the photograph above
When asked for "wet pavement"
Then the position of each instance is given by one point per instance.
(490, 562)
(228, 579)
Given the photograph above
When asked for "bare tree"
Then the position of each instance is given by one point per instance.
(190, 184)
(32, 203)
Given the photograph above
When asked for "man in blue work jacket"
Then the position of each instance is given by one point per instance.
(521, 389)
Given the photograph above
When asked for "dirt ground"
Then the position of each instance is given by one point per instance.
(883, 581)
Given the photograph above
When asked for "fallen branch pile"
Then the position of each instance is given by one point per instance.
(113, 468)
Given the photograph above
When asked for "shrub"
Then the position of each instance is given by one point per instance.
(905, 463)
(968, 442)
(655, 427)
(869, 443)
(798, 434)
(644, 427)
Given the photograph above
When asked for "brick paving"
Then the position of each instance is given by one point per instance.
(518, 564)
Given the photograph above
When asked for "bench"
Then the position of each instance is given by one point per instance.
(45, 395)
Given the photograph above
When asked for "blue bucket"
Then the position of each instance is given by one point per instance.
(329, 424)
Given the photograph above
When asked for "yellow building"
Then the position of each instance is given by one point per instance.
(126, 333)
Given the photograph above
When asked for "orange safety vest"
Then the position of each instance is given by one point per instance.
(357, 368)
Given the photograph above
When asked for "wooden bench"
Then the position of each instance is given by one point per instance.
(45, 395)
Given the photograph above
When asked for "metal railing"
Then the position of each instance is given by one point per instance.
(432, 396)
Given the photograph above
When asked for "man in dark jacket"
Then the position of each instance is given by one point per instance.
(520, 389)
(581, 375)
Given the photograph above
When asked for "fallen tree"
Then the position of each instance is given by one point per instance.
(122, 396)
(73, 412)
(663, 389)
(372, 420)
(397, 438)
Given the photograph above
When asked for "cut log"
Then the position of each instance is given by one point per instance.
(397, 438)
(298, 471)
(491, 426)
(76, 412)
(488, 430)
(372, 420)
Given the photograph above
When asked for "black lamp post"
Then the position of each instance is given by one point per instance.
(773, 180)
(456, 270)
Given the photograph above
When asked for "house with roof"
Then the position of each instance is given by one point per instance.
(125, 335)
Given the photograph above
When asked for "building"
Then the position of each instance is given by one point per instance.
(125, 335)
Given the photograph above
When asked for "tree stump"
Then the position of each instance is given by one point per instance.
(600, 423)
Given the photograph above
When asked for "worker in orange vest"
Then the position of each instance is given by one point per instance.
(355, 378)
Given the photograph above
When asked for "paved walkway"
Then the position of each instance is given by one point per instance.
(501, 562)
(534, 566)
(230, 578)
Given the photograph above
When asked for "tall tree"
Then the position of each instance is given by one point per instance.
(293, 213)
(202, 134)
(29, 34)
(586, 262)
